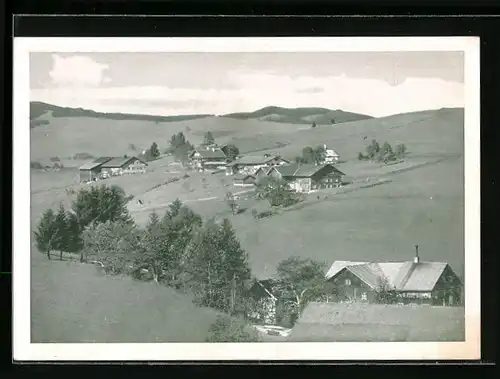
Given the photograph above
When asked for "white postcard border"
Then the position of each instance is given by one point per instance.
(24, 350)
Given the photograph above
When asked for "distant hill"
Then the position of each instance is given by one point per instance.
(38, 109)
(321, 116)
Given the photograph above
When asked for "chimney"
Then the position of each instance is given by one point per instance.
(417, 258)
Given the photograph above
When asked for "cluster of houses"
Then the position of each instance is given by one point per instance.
(248, 169)
(105, 167)
(413, 281)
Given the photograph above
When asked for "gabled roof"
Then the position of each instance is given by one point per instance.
(90, 165)
(119, 162)
(102, 159)
(303, 170)
(255, 160)
(265, 170)
(209, 154)
(331, 153)
(402, 276)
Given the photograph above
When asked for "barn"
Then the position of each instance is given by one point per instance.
(306, 178)
(90, 172)
(123, 165)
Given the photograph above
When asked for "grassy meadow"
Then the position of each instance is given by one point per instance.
(422, 203)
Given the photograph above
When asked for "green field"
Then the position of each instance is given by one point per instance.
(422, 201)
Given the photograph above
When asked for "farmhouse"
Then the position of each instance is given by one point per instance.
(90, 172)
(209, 158)
(432, 283)
(244, 180)
(249, 164)
(331, 155)
(123, 165)
(306, 178)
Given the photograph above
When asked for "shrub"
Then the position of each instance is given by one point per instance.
(55, 159)
(227, 329)
(36, 165)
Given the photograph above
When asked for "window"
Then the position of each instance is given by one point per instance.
(363, 296)
(348, 282)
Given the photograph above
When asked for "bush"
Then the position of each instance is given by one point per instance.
(55, 159)
(227, 329)
(36, 165)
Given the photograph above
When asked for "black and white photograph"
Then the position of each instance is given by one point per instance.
(250, 198)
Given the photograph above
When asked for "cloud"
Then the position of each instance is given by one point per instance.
(79, 71)
(254, 90)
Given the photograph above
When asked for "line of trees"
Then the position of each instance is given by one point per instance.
(384, 154)
(312, 155)
(179, 147)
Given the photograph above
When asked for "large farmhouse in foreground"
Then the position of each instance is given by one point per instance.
(413, 281)
(306, 178)
(108, 166)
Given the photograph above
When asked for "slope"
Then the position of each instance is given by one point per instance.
(71, 303)
(320, 116)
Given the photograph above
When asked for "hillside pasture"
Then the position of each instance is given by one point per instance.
(373, 224)
(72, 303)
(65, 137)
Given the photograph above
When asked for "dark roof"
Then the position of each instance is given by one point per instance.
(102, 159)
(209, 154)
(402, 276)
(119, 162)
(255, 160)
(303, 170)
(90, 165)
(243, 177)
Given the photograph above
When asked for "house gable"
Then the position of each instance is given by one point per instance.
(448, 279)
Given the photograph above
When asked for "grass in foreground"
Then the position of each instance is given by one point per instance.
(71, 303)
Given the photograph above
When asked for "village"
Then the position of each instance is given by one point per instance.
(276, 305)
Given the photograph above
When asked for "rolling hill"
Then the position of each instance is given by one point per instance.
(38, 109)
(321, 116)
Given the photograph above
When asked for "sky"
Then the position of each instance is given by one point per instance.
(373, 83)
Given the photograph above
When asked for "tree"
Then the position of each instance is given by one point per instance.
(300, 281)
(74, 238)
(231, 151)
(372, 149)
(386, 154)
(231, 202)
(208, 139)
(400, 150)
(276, 191)
(227, 329)
(308, 155)
(112, 243)
(216, 266)
(98, 204)
(62, 235)
(319, 154)
(46, 235)
(153, 150)
(385, 292)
